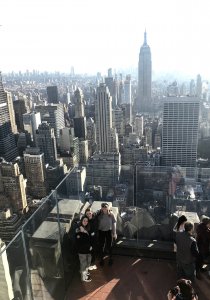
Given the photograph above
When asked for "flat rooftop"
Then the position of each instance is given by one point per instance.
(132, 278)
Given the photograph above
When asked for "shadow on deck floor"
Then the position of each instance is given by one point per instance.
(131, 278)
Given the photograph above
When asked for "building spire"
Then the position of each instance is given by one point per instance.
(145, 37)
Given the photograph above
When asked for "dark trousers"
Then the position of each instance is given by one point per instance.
(186, 271)
(105, 243)
(94, 250)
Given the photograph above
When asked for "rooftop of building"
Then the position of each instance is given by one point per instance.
(131, 278)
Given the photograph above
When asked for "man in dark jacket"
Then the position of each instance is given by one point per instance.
(203, 241)
(187, 252)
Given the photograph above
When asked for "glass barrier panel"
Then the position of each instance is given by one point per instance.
(165, 193)
(43, 237)
(15, 276)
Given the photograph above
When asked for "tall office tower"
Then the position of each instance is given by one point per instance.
(11, 113)
(69, 147)
(91, 130)
(192, 88)
(91, 136)
(53, 114)
(114, 141)
(127, 89)
(83, 152)
(22, 143)
(103, 115)
(8, 149)
(115, 91)
(14, 186)
(79, 103)
(76, 181)
(111, 84)
(199, 86)
(31, 122)
(45, 138)
(35, 173)
(6, 291)
(103, 169)
(139, 125)
(180, 131)
(110, 72)
(144, 77)
(128, 129)
(52, 94)
(118, 120)
(80, 129)
(127, 111)
(21, 106)
(66, 139)
(148, 135)
(121, 92)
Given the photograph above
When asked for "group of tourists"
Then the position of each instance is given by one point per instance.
(193, 247)
(192, 252)
(95, 235)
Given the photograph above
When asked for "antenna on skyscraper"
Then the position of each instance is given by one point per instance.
(145, 37)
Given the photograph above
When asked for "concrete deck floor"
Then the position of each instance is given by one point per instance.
(131, 278)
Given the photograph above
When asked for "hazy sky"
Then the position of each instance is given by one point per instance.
(93, 35)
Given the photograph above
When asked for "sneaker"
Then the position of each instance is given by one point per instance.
(94, 267)
(110, 262)
(84, 277)
(90, 268)
(87, 279)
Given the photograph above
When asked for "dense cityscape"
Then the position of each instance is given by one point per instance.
(68, 139)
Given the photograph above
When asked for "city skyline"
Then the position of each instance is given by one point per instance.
(54, 36)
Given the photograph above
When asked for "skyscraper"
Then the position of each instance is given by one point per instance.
(52, 94)
(144, 77)
(80, 129)
(11, 112)
(127, 89)
(35, 172)
(103, 115)
(199, 86)
(14, 186)
(53, 114)
(31, 121)
(180, 131)
(45, 138)
(8, 149)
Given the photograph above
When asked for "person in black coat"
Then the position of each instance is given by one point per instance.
(93, 225)
(83, 242)
(203, 241)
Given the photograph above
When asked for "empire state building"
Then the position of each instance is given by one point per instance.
(144, 77)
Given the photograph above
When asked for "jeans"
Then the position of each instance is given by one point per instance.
(105, 242)
(85, 260)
